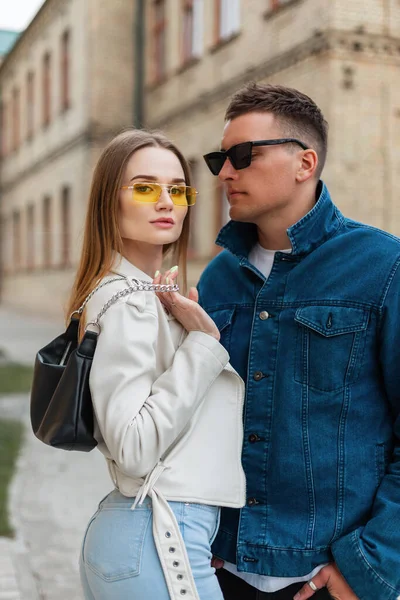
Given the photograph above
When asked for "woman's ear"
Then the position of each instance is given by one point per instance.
(308, 165)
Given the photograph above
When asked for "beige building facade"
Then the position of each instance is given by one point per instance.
(197, 53)
(65, 91)
(346, 56)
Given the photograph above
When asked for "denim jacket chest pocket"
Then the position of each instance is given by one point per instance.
(330, 344)
(223, 320)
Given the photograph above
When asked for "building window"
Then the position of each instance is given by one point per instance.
(3, 133)
(16, 118)
(30, 98)
(47, 232)
(192, 29)
(65, 226)
(30, 237)
(277, 3)
(46, 89)
(16, 221)
(65, 70)
(227, 19)
(159, 38)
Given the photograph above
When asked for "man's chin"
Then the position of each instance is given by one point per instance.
(240, 215)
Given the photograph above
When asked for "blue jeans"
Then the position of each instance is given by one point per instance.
(119, 559)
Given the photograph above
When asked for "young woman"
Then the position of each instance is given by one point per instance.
(168, 405)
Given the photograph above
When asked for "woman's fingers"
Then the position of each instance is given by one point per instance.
(193, 294)
(168, 299)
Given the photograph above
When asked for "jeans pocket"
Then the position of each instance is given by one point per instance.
(114, 541)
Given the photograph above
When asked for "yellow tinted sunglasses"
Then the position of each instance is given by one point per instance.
(149, 193)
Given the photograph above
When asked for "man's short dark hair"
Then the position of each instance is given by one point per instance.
(298, 115)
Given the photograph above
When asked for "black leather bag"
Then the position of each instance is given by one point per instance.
(61, 404)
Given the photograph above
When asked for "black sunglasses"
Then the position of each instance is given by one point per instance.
(241, 154)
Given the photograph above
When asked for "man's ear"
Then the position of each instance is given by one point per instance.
(308, 165)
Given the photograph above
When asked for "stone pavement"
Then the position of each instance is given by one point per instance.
(22, 335)
(53, 493)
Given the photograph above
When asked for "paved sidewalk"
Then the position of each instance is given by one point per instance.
(53, 493)
(52, 497)
(22, 335)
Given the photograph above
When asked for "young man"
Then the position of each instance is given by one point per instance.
(307, 303)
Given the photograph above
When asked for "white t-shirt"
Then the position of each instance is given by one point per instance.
(263, 260)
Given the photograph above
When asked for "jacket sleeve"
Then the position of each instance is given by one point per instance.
(369, 557)
(140, 411)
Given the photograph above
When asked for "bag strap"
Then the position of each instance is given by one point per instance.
(80, 310)
(134, 285)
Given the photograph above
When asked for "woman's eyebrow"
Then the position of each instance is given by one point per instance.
(150, 178)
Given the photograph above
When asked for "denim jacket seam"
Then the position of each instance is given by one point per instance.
(309, 475)
(389, 282)
(385, 293)
(348, 329)
(341, 467)
(225, 247)
(285, 548)
(297, 304)
(357, 225)
(311, 214)
(370, 567)
(340, 221)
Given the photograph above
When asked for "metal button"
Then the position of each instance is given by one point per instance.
(258, 375)
(183, 592)
(252, 502)
(175, 563)
(168, 534)
(179, 577)
(253, 437)
(172, 549)
(264, 315)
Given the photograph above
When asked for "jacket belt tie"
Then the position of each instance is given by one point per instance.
(168, 539)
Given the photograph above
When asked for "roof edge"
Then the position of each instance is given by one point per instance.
(22, 36)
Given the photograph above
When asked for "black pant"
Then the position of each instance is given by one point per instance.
(235, 588)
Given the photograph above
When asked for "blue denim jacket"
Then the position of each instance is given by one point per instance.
(318, 346)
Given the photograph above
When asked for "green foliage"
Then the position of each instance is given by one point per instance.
(11, 433)
(15, 378)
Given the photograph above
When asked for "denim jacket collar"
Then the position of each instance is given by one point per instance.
(318, 225)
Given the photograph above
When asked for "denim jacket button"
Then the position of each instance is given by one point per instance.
(252, 502)
(253, 437)
(264, 315)
(258, 375)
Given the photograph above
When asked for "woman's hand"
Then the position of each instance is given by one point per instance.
(186, 310)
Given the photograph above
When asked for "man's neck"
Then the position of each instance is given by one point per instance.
(272, 227)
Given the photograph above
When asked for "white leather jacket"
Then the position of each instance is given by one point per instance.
(168, 407)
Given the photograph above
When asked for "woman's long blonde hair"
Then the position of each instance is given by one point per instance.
(102, 238)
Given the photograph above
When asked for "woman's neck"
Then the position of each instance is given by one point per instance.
(144, 256)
